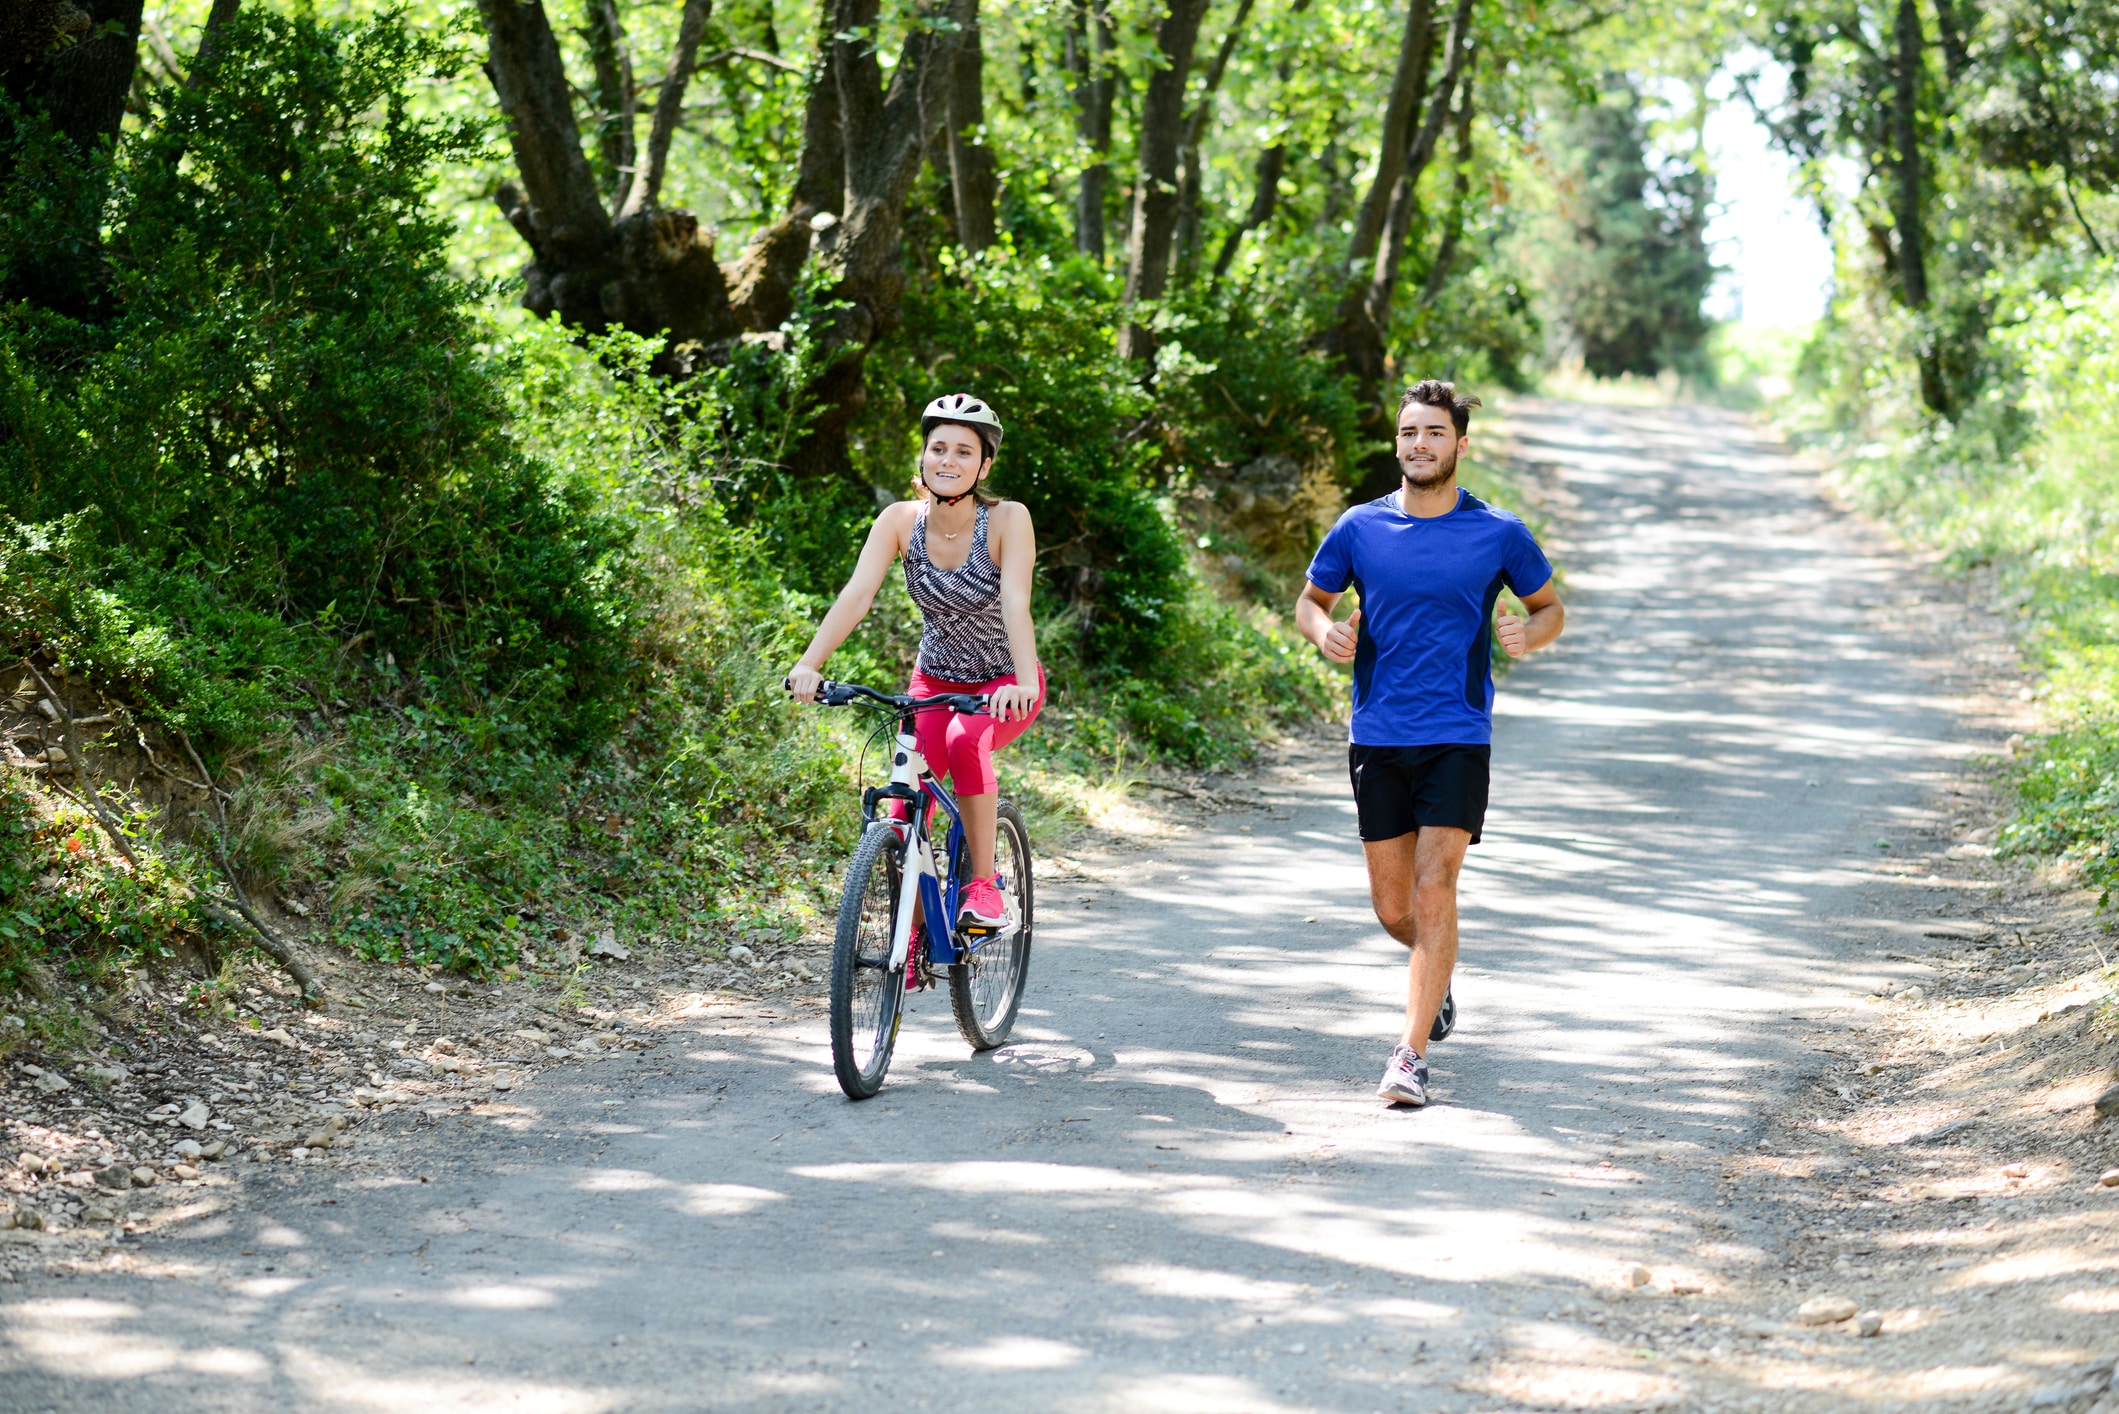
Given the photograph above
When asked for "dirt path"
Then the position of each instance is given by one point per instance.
(1720, 828)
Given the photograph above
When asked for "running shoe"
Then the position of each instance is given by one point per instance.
(1445, 1019)
(1405, 1079)
(982, 906)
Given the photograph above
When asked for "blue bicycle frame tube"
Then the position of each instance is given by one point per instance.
(935, 901)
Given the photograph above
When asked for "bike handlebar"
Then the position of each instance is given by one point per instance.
(842, 694)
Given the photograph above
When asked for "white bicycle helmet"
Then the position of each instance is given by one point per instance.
(967, 411)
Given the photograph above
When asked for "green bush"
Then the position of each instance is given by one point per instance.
(2020, 486)
(67, 897)
(1234, 383)
(286, 413)
(462, 838)
(2068, 802)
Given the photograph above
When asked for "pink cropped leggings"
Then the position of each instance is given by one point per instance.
(958, 745)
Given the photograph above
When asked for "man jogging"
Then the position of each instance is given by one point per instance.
(1429, 562)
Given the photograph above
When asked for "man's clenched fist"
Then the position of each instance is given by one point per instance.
(1509, 629)
(1341, 639)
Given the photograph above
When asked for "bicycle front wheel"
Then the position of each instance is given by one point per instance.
(867, 993)
(986, 992)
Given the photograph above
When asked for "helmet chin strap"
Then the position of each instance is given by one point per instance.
(942, 500)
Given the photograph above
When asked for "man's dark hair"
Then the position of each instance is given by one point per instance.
(1439, 393)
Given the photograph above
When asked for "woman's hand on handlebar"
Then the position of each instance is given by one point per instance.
(803, 682)
(1013, 703)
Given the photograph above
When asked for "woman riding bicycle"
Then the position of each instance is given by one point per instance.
(968, 558)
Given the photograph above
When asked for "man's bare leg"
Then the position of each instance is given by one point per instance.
(1413, 887)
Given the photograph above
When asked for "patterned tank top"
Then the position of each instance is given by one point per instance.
(962, 638)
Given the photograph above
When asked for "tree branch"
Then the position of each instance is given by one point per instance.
(158, 45)
(1265, 195)
(1383, 283)
(756, 56)
(1162, 118)
(972, 178)
(85, 779)
(1091, 42)
(563, 206)
(273, 944)
(669, 106)
(612, 58)
(1460, 196)
(1415, 55)
(1195, 133)
(216, 19)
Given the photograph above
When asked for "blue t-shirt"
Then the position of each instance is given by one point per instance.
(1422, 674)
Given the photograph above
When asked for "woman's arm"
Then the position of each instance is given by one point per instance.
(1014, 551)
(886, 541)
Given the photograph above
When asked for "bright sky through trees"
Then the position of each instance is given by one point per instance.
(1766, 235)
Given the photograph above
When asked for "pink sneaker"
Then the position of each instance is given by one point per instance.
(982, 905)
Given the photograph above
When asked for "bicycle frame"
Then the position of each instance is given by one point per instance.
(920, 875)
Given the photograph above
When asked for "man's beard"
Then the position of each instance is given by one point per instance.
(1436, 473)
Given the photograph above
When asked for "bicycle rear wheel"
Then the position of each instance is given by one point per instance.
(867, 993)
(986, 992)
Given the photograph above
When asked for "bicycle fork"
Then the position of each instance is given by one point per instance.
(908, 768)
(918, 860)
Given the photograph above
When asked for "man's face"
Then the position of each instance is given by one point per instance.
(1428, 445)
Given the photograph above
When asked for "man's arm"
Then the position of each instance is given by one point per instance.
(1547, 618)
(1313, 620)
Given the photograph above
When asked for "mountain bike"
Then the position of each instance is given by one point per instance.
(897, 912)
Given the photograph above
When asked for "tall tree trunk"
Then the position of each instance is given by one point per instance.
(559, 212)
(1459, 194)
(611, 59)
(1155, 189)
(1405, 197)
(1357, 339)
(1091, 45)
(1265, 192)
(220, 14)
(820, 175)
(1416, 50)
(648, 269)
(1905, 136)
(973, 173)
(1949, 32)
(1265, 196)
(1909, 203)
(884, 131)
(669, 107)
(81, 87)
(1195, 134)
(762, 283)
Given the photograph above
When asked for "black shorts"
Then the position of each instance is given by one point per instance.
(1398, 789)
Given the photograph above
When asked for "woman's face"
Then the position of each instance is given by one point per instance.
(952, 460)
